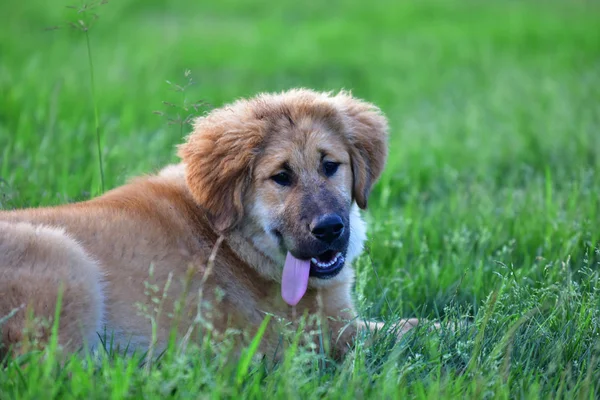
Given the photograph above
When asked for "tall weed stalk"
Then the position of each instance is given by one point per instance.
(83, 20)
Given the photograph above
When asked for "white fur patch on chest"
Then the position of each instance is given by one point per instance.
(358, 234)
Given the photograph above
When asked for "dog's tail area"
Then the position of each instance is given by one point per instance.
(36, 263)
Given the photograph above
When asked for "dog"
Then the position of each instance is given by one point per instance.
(260, 217)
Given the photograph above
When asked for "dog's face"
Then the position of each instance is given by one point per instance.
(302, 195)
(286, 171)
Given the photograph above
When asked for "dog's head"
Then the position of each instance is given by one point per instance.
(285, 170)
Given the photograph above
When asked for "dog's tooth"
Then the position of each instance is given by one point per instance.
(327, 264)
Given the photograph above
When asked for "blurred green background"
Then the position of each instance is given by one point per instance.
(494, 111)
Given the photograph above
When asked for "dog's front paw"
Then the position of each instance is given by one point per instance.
(404, 325)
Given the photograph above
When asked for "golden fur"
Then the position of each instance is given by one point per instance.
(100, 251)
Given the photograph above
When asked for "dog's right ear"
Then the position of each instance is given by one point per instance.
(219, 157)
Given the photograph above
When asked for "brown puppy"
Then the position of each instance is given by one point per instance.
(279, 177)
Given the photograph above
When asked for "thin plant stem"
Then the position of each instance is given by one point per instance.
(95, 105)
(181, 121)
(207, 272)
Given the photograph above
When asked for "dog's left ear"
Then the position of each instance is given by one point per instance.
(367, 132)
(219, 158)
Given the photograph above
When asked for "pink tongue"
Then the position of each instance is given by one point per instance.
(294, 280)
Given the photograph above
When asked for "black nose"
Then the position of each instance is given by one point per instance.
(327, 227)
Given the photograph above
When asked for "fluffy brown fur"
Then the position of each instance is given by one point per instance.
(100, 251)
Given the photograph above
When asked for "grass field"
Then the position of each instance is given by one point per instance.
(489, 209)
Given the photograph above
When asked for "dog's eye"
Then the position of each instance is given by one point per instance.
(330, 167)
(282, 178)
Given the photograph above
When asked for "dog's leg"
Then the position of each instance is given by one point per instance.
(347, 332)
(345, 326)
(35, 263)
(399, 328)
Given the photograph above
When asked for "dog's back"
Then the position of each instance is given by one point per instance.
(96, 249)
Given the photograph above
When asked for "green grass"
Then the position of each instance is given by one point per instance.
(489, 209)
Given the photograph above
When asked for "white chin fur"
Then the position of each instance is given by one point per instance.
(358, 234)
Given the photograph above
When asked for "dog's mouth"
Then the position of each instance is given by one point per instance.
(296, 272)
(327, 264)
